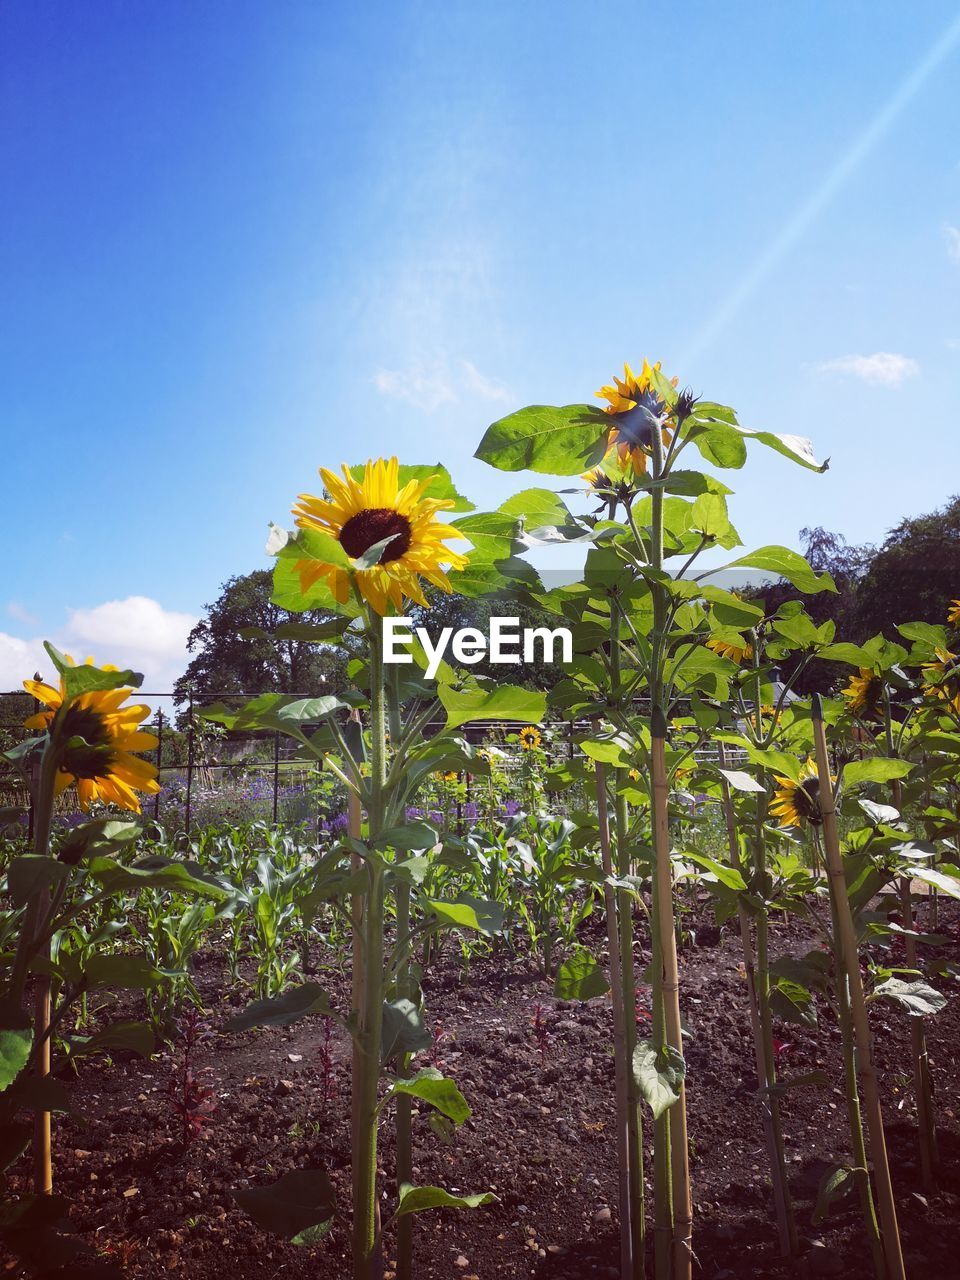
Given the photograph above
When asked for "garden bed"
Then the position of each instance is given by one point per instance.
(540, 1135)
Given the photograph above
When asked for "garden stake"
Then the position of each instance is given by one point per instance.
(627, 1182)
(769, 1106)
(670, 987)
(847, 942)
(923, 1092)
(355, 831)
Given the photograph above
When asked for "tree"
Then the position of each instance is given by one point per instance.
(228, 662)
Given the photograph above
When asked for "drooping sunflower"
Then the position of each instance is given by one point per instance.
(637, 411)
(864, 694)
(529, 737)
(96, 735)
(943, 679)
(953, 614)
(362, 513)
(798, 802)
(735, 652)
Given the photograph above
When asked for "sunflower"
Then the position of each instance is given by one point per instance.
(637, 410)
(360, 514)
(943, 679)
(451, 776)
(529, 738)
(735, 652)
(95, 736)
(953, 614)
(797, 802)
(864, 693)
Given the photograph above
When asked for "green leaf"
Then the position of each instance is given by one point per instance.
(792, 1002)
(719, 443)
(580, 977)
(133, 972)
(39, 1093)
(156, 873)
(30, 874)
(918, 998)
(796, 448)
(834, 1185)
(441, 485)
(786, 564)
(741, 781)
(497, 702)
(413, 835)
(558, 440)
(299, 1206)
(467, 912)
(947, 884)
(293, 1004)
(658, 1074)
(101, 837)
(537, 507)
(879, 769)
(403, 1030)
(432, 1087)
(416, 1199)
(306, 547)
(16, 1039)
(132, 1037)
(85, 679)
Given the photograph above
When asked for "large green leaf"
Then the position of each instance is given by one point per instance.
(796, 448)
(658, 1074)
(292, 1005)
(880, 769)
(16, 1039)
(156, 873)
(133, 1037)
(299, 1206)
(559, 440)
(133, 972)
(416, 1199)
(473, 701)
(431, 1086)
(785, 564)
(918, 998)
(720, 444)
(32, 873)
(580, 977)
(101, 837)
(308, 547)
(88, 678)
(403, 1030)
(467, 912)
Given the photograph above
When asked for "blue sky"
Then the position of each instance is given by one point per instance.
(243, 240)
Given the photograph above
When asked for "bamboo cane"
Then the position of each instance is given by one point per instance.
(866, 1069)
(670, 985)
(627, 1182)
(926, 1120)
(770, 1108)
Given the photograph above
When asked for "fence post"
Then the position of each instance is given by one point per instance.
(276, 773)
(187, 811)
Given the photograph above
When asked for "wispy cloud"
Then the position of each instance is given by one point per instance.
(430, 386)
(952, 237)
(883, 368)
(21, 613)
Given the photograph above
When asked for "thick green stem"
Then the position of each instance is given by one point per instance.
(366, 1224)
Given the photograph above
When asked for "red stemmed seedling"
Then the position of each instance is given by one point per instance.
(193, 1101)
(327, 1067)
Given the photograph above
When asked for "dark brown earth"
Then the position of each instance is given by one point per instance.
(539, 1137)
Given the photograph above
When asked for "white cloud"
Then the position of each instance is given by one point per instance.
(136, 632)
(883, 368)
(429, 386)
(953, 344)
(952, 235)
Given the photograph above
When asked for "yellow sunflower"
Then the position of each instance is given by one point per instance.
(864, 693)
(637, 410)
(953, 614)
(943, 679)
(735, 652)
(797, 802)
(101, 763)
(451, 776)
(359, 514)
(529, 738)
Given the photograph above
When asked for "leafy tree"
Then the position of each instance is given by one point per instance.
(227, 661)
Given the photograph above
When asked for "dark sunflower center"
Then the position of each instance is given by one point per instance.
(806, 800)
(367, 528)
(91, 757)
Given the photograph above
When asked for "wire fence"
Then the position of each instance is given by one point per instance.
(210, 775)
